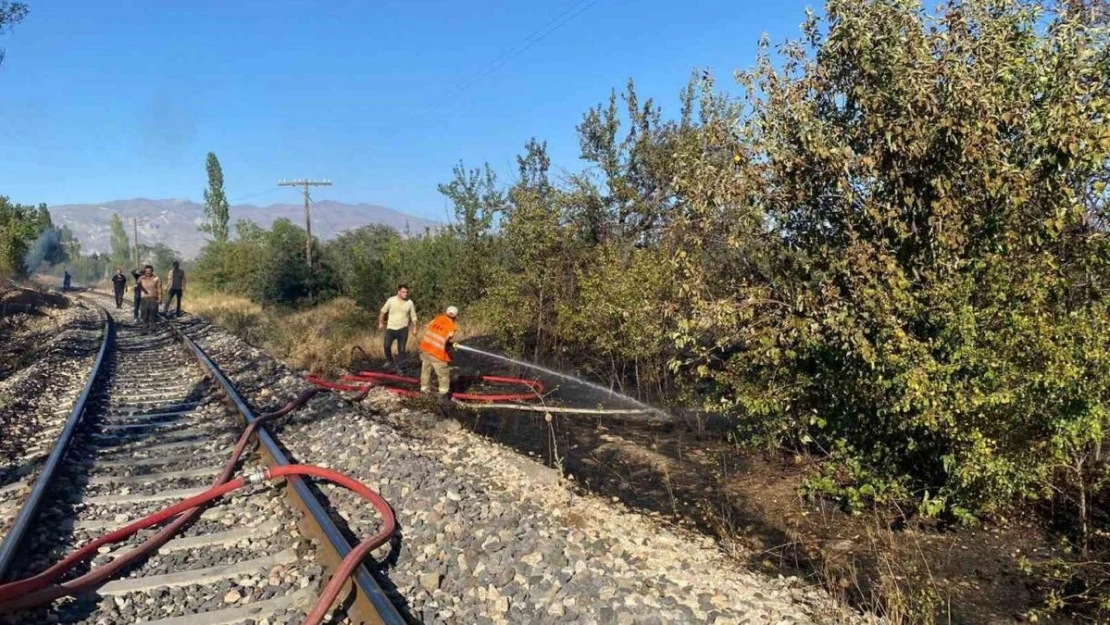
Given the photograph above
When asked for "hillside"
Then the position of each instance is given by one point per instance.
(174, 222)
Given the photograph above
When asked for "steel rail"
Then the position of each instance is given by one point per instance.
(371, 604)
(11, 543)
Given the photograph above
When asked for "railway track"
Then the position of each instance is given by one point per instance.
(155, 424)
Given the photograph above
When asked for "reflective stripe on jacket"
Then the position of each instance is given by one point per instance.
(435, 337)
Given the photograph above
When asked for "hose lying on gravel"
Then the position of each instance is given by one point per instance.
(40, 589)
(365, 380)
(632, 412)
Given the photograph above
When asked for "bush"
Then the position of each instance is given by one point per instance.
(268, 266)
(935, 315)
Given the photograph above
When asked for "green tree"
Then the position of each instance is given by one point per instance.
(19, 229)
(361, 260)
(930, 186)
(477, 202)
(634, 195)
(216, 208)
(120, 243)
(11, 13)
(160, 256)
(70, 245)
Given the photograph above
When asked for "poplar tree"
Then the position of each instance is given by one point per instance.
(121, 244)
(215, 201)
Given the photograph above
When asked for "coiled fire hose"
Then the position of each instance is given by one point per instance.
(41, 589)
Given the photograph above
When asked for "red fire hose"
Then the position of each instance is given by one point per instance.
(363, 381)
(39, 589)
(12, 592)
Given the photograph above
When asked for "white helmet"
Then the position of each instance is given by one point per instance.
(452, 311)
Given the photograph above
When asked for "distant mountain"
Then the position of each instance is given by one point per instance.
(174, 222)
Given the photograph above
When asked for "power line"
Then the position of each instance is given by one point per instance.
(526, 44)
(324, 217)
(250, 195)
(533, 38)
(305, 183)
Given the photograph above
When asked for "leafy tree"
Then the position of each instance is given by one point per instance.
(120, 243)
(248, 230)
(11, 13)
(70, 245)
(535, 261)
(160, 256)
(361, 260)
(216, 208)
(20, 226)
(634, 195)
(42, 220)
(477, 203)
(931, 189)
(266, 265)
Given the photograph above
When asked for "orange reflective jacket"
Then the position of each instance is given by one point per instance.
(436, 335)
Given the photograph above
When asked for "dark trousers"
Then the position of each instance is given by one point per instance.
(169, 299)
(402, 338)
(119, 298)
(150, 315)
(138, 299)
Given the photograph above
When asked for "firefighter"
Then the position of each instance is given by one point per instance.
(435, 352)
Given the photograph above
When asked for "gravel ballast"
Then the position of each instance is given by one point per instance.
(489, 536)
(36, 400)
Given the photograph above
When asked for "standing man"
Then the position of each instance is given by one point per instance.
(135, 273)
(177, 287)
(152, 295)
(65, 281)
(401, 314)
(435, 352)
(119, 285)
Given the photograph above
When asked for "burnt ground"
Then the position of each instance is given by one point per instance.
(27, 319)
(909, 569)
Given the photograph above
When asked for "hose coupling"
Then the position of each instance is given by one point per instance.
(257, 477)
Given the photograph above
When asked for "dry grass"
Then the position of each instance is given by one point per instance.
(317, 339)
(901, 587)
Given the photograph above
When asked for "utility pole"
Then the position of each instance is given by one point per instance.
(135, 231)
(307, 216)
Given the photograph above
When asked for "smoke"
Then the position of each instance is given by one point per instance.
(46, 249)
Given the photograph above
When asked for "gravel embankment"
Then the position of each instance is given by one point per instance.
(488, 536)
(35, 400)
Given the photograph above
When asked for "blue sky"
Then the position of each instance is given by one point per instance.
(121, 99)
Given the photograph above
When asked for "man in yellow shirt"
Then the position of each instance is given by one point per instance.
(396, 318)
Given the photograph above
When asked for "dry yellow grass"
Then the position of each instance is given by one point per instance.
(317, 339)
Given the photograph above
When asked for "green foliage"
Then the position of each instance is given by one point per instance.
(11, 13)
(477, 203)
(931, 189)
(160, 256)
(120, 243)
(266, 265)
(20, 227)
(891, 251)
(86, 270)
(622, 317)
(365, 263)
(216, 208)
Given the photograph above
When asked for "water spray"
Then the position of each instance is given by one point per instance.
(575, 379)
